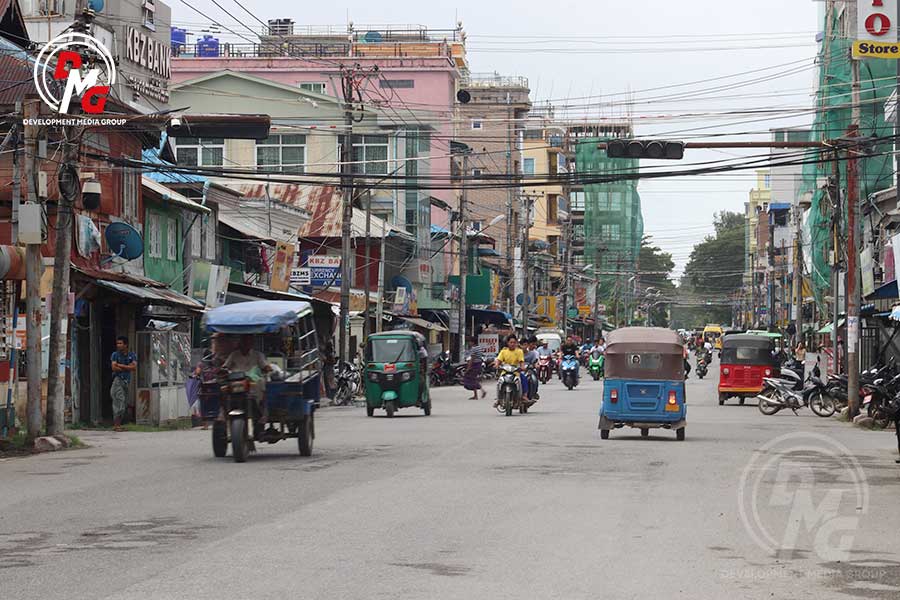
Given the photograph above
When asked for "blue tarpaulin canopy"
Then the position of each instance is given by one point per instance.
(261, 316)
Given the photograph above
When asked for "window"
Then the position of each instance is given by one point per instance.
(476, 225)
(578, 233)
(610, 232)
(477, 124)
(281, 154)
(210, 231)
(313, 86)
(534, 134)
(196, 226)
(552, 210)
(148, 13)
(396, 84)
(43, 8)
(200, 152)
(130, 194)
(370, 154)
(154, 236)
(171, 239)
(477, 172)
(553, 240)
(577, 201)
(528, 166)
(615, 201)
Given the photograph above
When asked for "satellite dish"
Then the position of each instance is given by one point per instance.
(463, 96)
(372, 37)
(95, 5)
(124, 241)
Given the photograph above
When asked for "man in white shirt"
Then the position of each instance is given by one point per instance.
(245, 359)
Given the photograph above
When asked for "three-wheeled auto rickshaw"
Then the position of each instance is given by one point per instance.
(244, 408)
(643, 381)
(746, 359)
(396, 372)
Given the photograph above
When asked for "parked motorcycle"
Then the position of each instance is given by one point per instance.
(780, 393)
(568, 371)
(348, 381)
(444, 372)
(595, 364)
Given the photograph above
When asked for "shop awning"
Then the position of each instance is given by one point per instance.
(885, 292)
(423, 323)
(487, 315)
(828, 328)
(152, 295)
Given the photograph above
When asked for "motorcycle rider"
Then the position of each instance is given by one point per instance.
(511, 354)
(570, 348)
(531, 359)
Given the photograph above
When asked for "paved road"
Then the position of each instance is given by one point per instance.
(463, 504)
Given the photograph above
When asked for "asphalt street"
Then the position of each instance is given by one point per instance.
(465, 503)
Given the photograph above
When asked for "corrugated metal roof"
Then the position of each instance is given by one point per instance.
(16, 67)
(172, 196)
(324, 205)
(155, 294)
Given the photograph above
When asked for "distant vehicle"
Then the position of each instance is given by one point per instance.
(714, 334)
(553, 339)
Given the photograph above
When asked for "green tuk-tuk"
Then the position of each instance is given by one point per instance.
(396, 372)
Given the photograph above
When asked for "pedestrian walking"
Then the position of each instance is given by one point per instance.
(123, 363)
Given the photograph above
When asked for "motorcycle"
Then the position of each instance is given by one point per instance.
(509, 391)
(444, 372)
(349, 384)
(532, 377)
(595, 364)
(568, 371)
(702, 367)
(781, 393)
(544, 368)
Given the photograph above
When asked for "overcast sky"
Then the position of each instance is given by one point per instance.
(603, 57)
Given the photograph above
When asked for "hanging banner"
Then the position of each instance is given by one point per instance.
(876, 35)
(281, 269)
(867, 264)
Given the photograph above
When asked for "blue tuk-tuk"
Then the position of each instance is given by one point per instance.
(643, 384)
(275, 395)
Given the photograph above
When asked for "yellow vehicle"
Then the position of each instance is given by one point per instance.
(714, 333)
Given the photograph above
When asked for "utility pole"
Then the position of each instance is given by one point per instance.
(836, 261)
(510, 294)
(463, 260)
(379, 307)
(347, 83)
(33, 269)
(852, 273)
(367, 322)
(527, 201)
(770, 273)
(567, 236)
(798, 278)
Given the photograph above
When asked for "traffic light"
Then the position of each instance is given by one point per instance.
(656, 149)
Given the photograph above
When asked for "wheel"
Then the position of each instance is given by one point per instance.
(341, 395)
(370, 410)
(821, 404)
(434, 380)
(741, 400)
(305, 440)
(604, 434)
(427, 408)
(389, 408)
(679, 434)
(596, 376)
(645, 432)
(722, 398)
(219, 439)
(239, 440)
(569, 383)
(699, 375)
(508, 405)
(525, 409)
(766, 407)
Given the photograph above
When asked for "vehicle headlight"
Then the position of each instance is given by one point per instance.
(373, 376)
(238, 388)
(406, 376)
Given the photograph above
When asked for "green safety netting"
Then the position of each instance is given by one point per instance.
(613, 224)
(833, 117)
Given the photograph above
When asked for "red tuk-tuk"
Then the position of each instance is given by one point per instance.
(746, 359)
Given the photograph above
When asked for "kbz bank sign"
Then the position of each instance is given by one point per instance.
(876, 35)
(84, 64)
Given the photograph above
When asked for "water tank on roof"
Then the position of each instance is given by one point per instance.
(372, 37)
(208, 47)
(179, 40)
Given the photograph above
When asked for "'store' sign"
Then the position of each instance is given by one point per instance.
(876, 35)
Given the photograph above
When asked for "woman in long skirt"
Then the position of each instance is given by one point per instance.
(472, 378)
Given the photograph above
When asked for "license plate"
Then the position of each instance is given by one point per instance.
(869, 398)
(672, 407)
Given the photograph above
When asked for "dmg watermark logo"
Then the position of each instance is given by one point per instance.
(803, 492)
(86, 66)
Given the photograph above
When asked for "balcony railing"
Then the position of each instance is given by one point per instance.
(300, 49)
(494, 80)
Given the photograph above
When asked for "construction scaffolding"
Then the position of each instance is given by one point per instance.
(833, 117)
